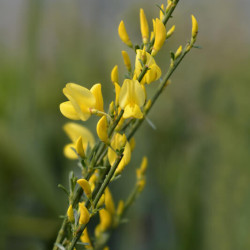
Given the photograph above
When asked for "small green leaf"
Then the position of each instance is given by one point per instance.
(63, 188)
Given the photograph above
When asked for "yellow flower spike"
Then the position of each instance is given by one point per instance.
(120, 208)
(153, 73)
(115, 74)
(131, 98)
(74, 131)
(178, 52)
(79, 147)
(109, 202)
(144, 27)
(160, 36)
(132, 143)
(102, 129)
(85, 239)
(105, 219)
(117, 93)
(171, 31)
(84, 214)
(101, 201)
(161, 14)
(82, 100)
(124, 35)
(126, 60)
(116, 144)
(96, 90)
(194, 27)
(86, 187)
(70, 214)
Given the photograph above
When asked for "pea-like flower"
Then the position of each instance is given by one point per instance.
(154, 71)
(74, 132)
(131, 98)
(82, 102)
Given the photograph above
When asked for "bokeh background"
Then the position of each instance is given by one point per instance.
(198, 186)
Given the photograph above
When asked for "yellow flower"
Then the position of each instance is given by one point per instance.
(102, 129)
(105, 219)
(153, 73)
(117, 143)
(124, 35)
(178, 52)
(160, 36)
(84, 214)
(85, 186)
(132, 97)
(74, 132)
(109, 202)
(144, 26)
(85, 239)
(70, 214)
(81, 101)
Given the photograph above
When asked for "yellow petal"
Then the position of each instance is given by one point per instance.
(102, 129)
(79, 147)
(85, 239)
(68, 111)
(85, 186)
(84, 214)
(132, 111)
(96, 90)
(69, 152)
(74, 130)
(131, 93)
(81, 98)
(125, 160)
(123, 34)
(144, 26)
(152, 74)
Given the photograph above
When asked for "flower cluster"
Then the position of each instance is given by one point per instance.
(103, 158)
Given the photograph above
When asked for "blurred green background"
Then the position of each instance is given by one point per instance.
(197, 195)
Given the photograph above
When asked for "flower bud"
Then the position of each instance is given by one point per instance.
(115, 74)
(102, 129)
(178, 52)
(85, 186)
(194, 27)
(84, 214)
(79, 147)
(126, 60)
(144, 26)
(161, 13)
(124, 35)
(171, 31)
(160, 36)
(70, 214)
(120, 208)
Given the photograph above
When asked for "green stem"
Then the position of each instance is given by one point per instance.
(97, 198)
